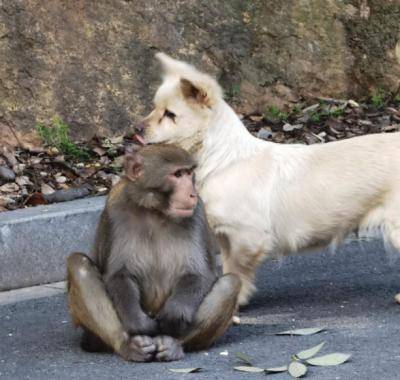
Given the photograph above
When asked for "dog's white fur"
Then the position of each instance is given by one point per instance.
(265, 199)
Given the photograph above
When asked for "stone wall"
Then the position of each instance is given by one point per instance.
(91, 62)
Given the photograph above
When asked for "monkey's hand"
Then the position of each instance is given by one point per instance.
(142, 324)
(176, 318)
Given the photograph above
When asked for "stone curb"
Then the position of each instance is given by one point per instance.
(33, 292)
(35, 242)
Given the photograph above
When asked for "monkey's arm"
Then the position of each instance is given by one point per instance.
(125, 295)
(177, 315)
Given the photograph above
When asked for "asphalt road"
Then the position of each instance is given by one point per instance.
(349, 292)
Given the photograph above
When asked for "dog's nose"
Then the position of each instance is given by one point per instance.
(140, 127)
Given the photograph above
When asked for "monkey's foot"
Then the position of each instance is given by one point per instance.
(138, 348)
(168, 349)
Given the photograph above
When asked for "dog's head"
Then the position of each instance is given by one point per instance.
(183, 105)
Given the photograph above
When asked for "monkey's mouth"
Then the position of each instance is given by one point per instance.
(181, 212)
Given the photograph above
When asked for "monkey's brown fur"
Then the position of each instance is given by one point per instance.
(153, 286)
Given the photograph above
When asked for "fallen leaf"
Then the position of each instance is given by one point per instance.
(224, 353)
(100, 151)
(297, 369)
(243, 357)
(256, 118)
(307, 354)
(330, 359)
(117, 140)
(9, 187)
(249, 369)
(310, 108)
(307, 331)
(283, 368)
(36, 199)
(185, 370)
(23, 181)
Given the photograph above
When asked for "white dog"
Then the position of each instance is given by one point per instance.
(265, 199)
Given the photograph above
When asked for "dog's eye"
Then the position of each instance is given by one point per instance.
(169, 114)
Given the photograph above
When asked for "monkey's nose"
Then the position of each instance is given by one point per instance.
(193, 199)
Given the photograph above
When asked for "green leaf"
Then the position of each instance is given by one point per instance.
(244, 358)
(297, 369)
(283, 368)
(186, 370)
(330, 359)
(308, 331)
(249, 369)
(307, 354)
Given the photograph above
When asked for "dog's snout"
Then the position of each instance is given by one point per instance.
(140, 127)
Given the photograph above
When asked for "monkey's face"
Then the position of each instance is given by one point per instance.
(161, 179)
(183, 197)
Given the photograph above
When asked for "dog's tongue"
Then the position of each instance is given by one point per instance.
(139, 139)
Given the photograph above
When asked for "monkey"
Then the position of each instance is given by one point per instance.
(152, 289)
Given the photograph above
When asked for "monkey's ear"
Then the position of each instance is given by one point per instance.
(191, 92)
(133, 165)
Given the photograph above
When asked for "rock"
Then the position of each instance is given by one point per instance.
(264, 133)
(19, 168)
(114, 179)
(46, 189)
(67, 195)
(61, 179)
(106, 55)
(6, 173)
(291, 127)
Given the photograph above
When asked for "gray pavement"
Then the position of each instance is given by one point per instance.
(349, 292)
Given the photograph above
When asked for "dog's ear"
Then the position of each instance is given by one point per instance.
(171, 66)
(201, 88)
(191, 92)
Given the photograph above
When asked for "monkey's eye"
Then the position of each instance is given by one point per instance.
(178, 173)
(169, 114)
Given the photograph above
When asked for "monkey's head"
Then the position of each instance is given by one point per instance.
(160, 178)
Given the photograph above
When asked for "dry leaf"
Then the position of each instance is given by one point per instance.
(307, 331)
(256, 118)
(186, 370)
(307, 354)
(243, 357)
(297, 369)
(9, 187)
(330, 359)
(283, 368)
(249, 369)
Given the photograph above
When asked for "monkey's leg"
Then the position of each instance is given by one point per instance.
(215, 313)
(125, 296)
(92, 309)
